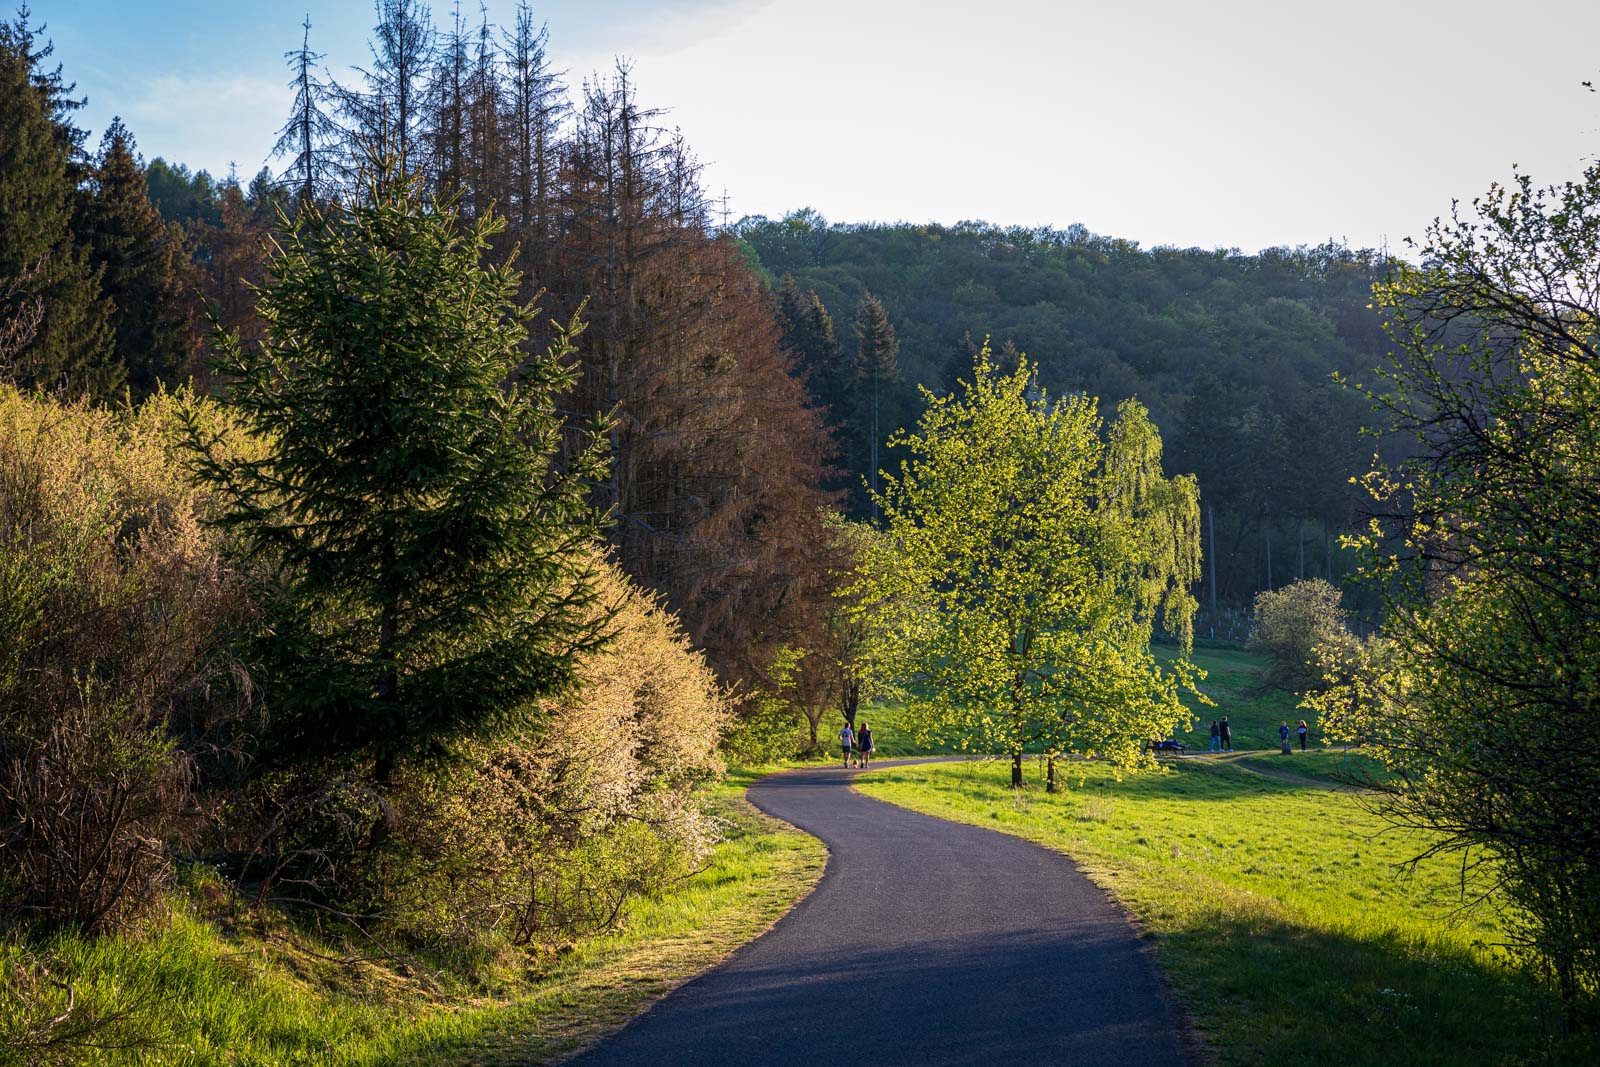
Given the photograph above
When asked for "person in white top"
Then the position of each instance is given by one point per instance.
(847, 740)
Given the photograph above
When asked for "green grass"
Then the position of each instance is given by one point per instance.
(1233, 681)
(215, 991)
(1278, 908)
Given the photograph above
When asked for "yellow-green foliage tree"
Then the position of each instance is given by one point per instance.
(1483, 698)
(1025, 562)
(1299, 629)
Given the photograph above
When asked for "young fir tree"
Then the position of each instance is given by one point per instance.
(429, 533)
(143, 265)
(71, 347)
(876, 369)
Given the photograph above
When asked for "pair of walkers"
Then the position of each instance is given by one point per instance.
(860, 741)
(1221, 736)
(1283, 734)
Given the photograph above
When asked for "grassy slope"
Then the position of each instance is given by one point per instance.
(1278, 904)
(247, 995)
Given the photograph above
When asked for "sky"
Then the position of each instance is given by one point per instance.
(1227, 123)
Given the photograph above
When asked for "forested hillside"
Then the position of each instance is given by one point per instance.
(1233, 355)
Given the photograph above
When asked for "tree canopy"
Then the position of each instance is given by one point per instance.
(1023, 561)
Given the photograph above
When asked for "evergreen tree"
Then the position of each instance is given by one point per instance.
(876, 369)
(71, 347)
(535, 105)
(309, 134)
(808, 334)
(391, 110)
(143, 267)
(433, 573)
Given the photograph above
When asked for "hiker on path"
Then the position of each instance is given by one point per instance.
(1216, 737)
(1283, 734)
(847, 738)
(1227, 737)
(864, 746)
(1303, 730)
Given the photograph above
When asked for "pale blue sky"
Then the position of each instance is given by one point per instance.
(1234, 123)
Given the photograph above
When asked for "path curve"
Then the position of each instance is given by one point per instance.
(926, 943)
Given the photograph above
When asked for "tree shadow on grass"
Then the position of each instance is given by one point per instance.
(1269, 991)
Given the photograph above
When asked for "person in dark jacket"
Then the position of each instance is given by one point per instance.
(1303, 730)
(1227, 736)
(1283, 735)
(863, 746)
(1216, 737)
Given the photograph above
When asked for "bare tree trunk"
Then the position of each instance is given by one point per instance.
(1050, 773)
(1269, 557)
(1016, 769)
(1211, 546)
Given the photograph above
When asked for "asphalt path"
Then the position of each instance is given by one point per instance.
(926, 943)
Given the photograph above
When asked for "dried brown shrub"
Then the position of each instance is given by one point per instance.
(114, 599)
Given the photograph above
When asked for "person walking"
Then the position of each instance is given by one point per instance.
(1227, 736)
(1302, 730)
(847, 740)
(864, 746)
(1283, 735)
(1216, 737)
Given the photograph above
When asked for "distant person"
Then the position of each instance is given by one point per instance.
(847, 740)
(1216, 737)
(1302, 730)
(1283, 734)
(1227, 737)
(864, 746)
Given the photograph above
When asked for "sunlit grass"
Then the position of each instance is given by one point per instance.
(216, 991)
(1281, 911)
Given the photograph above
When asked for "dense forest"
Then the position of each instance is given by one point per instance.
(1233, 355)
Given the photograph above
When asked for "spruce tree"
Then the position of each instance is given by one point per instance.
(310, 133)
(429, 532)
(143, 267)
(876, 369)
(71, 348)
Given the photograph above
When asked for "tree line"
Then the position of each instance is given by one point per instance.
(1232, 354)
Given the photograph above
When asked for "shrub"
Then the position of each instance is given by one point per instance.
(1297, 628)
(113, 603)
(542, 835)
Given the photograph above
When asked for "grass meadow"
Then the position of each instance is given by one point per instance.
(1284, 911)
(213, 986)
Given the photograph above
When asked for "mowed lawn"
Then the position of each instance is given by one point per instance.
(1280, 905)
(1279, 910)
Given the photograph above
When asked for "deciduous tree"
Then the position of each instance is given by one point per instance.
(1021, 567)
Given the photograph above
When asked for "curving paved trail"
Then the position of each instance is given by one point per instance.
(926, 943)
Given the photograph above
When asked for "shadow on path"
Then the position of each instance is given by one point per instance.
(927, 942)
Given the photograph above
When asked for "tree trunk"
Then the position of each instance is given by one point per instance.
(1050, 773)
(872, 451)
(1211, 545)
(1016, 769)
(1300, 547)
(1268, 530)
